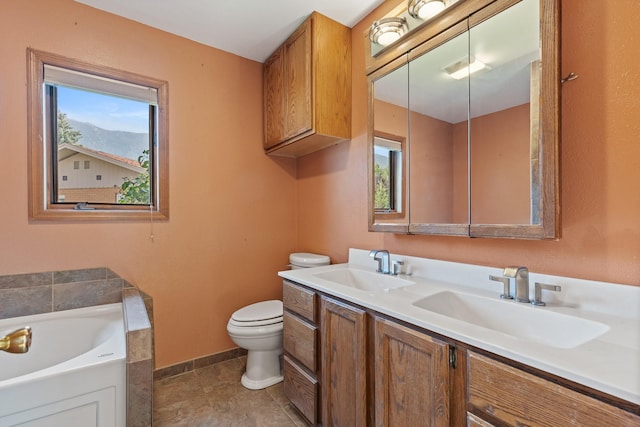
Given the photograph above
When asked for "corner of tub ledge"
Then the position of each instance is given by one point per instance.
(140, 356)
(135, 311)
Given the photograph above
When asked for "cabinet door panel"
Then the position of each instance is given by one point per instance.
(344, 364)
(412, 377)
(274, 99)
(297, 57)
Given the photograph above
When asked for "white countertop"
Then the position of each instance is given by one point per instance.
(609, 363)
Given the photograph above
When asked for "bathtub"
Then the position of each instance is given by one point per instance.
(74, 373)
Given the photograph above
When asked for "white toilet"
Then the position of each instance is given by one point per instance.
(258, 329)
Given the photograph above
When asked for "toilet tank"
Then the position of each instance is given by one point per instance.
(305, 260)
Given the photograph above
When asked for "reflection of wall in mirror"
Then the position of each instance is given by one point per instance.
(500, 167)
(432, 185)
(432, 181)
(500, 147)
(390, 118)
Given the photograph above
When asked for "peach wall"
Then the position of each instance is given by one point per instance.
(232, 220)
(460, 173)
(500, 165)
(600, 164)
(431, 195)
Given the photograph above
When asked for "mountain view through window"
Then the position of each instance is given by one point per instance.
(103, 148)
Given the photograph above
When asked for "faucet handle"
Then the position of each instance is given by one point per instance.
(373, 254)
(396, 267)
(538, 292)
(506, 294)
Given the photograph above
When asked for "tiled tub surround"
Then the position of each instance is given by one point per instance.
(608, 363)
(35, 293)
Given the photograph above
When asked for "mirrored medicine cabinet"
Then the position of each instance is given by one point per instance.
(464, 123)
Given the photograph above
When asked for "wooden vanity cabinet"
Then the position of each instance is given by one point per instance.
(307, 89)
(345, 365)
(300, 343)
(499, 394)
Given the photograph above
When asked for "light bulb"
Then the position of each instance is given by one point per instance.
(430, 9)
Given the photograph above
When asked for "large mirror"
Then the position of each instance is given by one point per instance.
(389, 179)
(478, 106)
(438, 129)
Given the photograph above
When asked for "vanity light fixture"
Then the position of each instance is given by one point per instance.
(425, 9)
(388, 30)
(465, 67)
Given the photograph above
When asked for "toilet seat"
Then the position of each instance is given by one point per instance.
(259, 314)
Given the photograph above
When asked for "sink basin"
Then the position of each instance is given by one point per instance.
(516, 320)
(364, 280)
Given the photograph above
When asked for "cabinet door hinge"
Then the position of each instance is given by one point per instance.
(453, 358)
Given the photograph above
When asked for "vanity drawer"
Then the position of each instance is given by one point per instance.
(299, 300)
(300, 340)
(517, 398)
(301, 389)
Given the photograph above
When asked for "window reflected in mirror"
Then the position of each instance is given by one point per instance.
(388, 160)
(388, 209)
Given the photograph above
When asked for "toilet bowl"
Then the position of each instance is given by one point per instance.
(258, 329)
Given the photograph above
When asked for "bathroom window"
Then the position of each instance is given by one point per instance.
(110, 122)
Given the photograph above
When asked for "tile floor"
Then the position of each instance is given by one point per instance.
(213, 396)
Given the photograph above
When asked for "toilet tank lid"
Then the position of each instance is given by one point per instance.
(305, 259)
(259, 311)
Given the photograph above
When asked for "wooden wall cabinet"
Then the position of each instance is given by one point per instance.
(307, 89)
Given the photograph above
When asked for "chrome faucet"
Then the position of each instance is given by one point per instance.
(384, 260)
(521, 274)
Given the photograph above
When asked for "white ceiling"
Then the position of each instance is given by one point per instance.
(249, 28)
